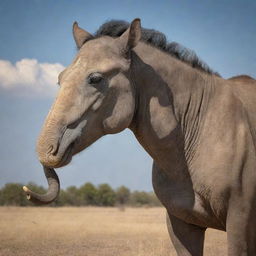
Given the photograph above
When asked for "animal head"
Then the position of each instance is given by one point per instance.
(96, 96)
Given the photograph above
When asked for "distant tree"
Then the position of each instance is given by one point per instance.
(62, 199)
(12, 194)
(122, 195)
(71, 196)
(139, 198)
(154, 201)
(142, 198)
(1, 198)
(88, 194)
(106, 195)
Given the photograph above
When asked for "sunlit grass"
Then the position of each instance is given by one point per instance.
(91, 231)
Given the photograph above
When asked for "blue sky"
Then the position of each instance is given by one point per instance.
(36, 43)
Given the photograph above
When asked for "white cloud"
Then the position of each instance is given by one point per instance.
(28, 77)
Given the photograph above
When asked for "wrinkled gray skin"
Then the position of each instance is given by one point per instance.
(198, 128)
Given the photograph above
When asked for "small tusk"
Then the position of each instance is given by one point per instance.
(25, 189)
(52, 192)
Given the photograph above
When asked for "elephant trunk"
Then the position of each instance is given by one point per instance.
(53, 190)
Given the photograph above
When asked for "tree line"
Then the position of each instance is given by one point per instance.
(86, 195)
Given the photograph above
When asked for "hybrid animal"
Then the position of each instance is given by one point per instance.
(199, 128)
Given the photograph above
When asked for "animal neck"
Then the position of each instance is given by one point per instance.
(171, 102)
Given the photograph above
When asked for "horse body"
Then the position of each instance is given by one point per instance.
(198, 127)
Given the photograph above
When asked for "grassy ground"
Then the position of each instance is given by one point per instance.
(91, 231)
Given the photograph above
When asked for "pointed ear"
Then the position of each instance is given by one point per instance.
(130, 38)
(80, 35)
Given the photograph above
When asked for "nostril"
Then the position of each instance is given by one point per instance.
(52, 149)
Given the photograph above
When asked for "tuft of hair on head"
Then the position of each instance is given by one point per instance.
(115, 28)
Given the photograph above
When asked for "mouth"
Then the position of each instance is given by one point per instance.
(66, 146)
(59, 160)
(67, 157)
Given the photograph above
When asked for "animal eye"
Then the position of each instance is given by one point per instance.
(94, 78)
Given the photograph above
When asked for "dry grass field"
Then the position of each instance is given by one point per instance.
(91, 231)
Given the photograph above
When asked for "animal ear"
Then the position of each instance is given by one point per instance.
(80, 35)
(130, 38)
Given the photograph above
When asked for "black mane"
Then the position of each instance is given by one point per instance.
(115, 28)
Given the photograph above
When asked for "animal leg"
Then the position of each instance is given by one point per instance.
(241, 230)
(187, 239)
